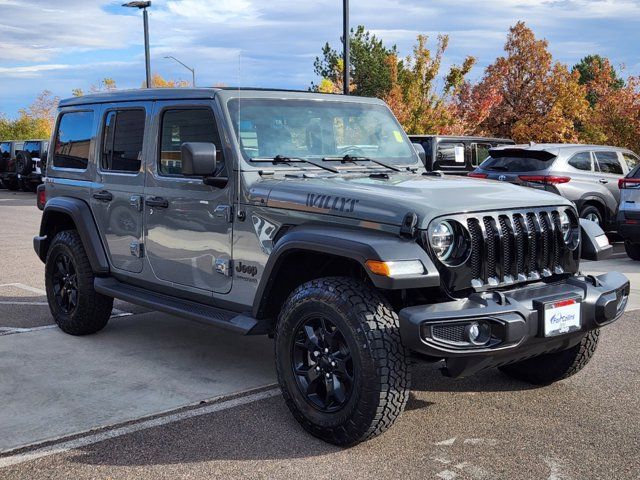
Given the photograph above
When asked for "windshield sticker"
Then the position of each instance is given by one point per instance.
(398, 136)
(329, 202)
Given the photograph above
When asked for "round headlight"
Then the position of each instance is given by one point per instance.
(442, 240)
(565, 226)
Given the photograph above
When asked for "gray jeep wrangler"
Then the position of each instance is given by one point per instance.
(310, 218)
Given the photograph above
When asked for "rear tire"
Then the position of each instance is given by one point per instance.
(590, 212)
(76, 307)
(632, 249)
(362, 395)
(552, 367)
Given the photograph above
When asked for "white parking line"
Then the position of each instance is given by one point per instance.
(142, 425)
(28, 288)
(36, 304)
(8, 330)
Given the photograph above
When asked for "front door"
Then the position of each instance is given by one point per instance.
(116, 198)
(188, 224)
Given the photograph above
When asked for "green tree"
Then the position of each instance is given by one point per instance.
(369, 70)
(589, 67)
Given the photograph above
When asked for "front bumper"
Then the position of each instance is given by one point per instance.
(515, 318)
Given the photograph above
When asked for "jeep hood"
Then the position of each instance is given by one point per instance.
(388, 200)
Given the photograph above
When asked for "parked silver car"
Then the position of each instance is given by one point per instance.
(629, 213)
(585, 174)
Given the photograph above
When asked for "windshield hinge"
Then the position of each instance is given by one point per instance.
(408, 227)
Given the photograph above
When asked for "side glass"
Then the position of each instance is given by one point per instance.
(73, 140)
(609, 163)
(122, 139)
(581, 161)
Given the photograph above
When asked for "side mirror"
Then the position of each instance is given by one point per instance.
(198, 158)
(595, 244)
(421, 152)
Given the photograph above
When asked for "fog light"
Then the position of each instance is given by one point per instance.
(478, 333)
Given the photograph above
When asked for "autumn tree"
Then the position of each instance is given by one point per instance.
(158, 81)
(591, 66)
(535, 98)
(615, 117)
(424, 106)
(33, 122)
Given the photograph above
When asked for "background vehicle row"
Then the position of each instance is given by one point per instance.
(23, 164)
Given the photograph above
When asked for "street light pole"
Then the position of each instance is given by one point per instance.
(145, 18)
(192, 70)
(346, 46)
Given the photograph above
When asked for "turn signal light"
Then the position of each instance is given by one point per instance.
(628, 182)
(546, 179)
(392, 269)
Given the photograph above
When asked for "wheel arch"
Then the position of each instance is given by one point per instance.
(307, 252)
(66, 213)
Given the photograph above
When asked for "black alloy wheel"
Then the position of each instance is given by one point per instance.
(65, 283)
(322, 364)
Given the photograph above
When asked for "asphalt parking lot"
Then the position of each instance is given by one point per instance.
(153, 396)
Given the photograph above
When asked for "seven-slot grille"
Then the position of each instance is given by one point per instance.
(517, 247)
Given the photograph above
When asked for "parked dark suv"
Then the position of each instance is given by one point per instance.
(8, 175)
(31, 164)
(587, 175)
(311, 218)
(456, 155)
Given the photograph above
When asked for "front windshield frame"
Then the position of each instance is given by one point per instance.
(411, 158)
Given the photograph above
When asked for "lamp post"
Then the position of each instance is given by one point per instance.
(192, 70)
(345, 46)
(145, 18)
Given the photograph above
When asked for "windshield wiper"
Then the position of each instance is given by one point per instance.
(354, 159)
(284, 159)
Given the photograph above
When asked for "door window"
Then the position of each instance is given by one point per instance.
(33, 148)
(480, 153)
(180, 126)
(73, 140)
(609, 163)
(5, 151)
(122, 139)
(631, 159)
(582, 161)
(450, 154)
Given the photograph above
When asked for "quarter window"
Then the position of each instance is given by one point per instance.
(609, 163)
(632, 160)
(123, 135)
(450, 153)
(181, 126)
(73, 140)
(581, 161)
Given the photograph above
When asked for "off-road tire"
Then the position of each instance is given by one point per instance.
(381, 371)
(93, 309)
(590, 209)
(632, 249)
(24, 163)
(552, 367)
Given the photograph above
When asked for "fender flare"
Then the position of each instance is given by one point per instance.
(85, 224)
(355, 244)
(594, 197)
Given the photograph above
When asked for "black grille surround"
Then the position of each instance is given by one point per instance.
(509, 248)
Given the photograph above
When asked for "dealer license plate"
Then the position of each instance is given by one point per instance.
(560, 317)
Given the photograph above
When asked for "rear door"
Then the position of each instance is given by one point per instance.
(116, 197)
(610, 171)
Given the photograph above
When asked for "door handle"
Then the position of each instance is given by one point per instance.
(603, 180)
(103, 196)
(157, 202)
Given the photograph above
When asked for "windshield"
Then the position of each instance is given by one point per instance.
(312, 129)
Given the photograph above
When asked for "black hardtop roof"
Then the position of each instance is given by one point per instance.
(463, 138)
(150, 94)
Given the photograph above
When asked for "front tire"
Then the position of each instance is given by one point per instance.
(552, 367)
(76, 307)
(341, 364)
(589, 212)
(632, 249)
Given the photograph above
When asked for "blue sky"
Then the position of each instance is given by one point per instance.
(64, 44)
